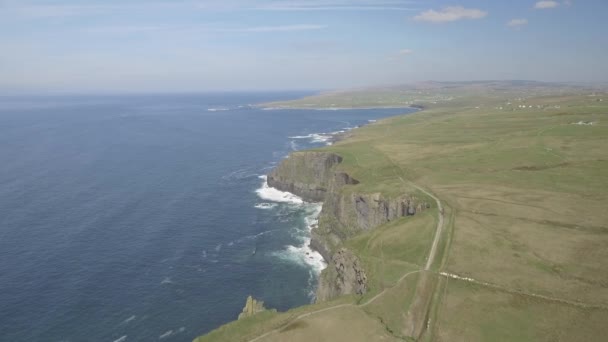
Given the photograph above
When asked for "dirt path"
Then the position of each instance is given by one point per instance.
(371, 300)
(300, 317)
(524, 293)
(383, 291)
(438, 230)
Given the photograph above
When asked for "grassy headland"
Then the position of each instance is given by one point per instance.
(522, 172)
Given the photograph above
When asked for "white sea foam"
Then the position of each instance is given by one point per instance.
(166, 334)
(252, 237)
(240, 174)
(303, 254)
(268, 193)
(121, 339)
(167, 280)
(266, 205)
(129, 319)
(219, 109)
(315, 137)
(293, 145)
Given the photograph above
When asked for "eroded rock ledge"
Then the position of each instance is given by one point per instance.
(306, 174)
(344, 274)
(316, 177)
(252, 306)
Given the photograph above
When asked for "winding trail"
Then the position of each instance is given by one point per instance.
(525, 293)
(371, 300)
(438, 230)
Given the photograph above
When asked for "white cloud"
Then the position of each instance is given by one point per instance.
(306, 5)
(134, 29)
(546, 4)
(123, 29)
(282, 28)
(517, 23)
(399, 55)
(36, 10)
(71, 8)
(450, 13)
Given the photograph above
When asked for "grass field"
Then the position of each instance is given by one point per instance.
(522, 171)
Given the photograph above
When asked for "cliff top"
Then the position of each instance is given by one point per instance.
(522, 255)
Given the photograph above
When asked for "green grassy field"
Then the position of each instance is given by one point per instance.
(522, 256)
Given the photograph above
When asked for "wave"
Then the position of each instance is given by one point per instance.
(315, 137)
(268, 193)
(240, 174)
(166, 334)
(265, 205)
(326, 138)
(314, 108)
(249, 237)
(170, 333)
(121, 339)
(303, 254)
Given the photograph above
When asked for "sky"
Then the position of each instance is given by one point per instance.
(219, 45)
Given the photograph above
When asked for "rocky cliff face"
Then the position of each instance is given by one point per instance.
(346, 213)
(252, 307)
(314, 176)
(306, 174)
(344, 275)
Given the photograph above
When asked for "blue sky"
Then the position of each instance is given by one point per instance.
(206, 45)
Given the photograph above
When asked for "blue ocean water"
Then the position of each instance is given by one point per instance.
(144, 218)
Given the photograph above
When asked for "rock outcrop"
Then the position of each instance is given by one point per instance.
(346, 213)
(252, 307)
(344, 274)
(314, 176)
(306, 174)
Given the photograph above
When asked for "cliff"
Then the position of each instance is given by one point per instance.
(343, 275)
(252, 307)
(316, 176)
(306, 174)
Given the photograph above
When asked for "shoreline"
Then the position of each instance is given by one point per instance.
(332, 137)
(279, 196)
(299, 252)
(286, 196)
(420, 107)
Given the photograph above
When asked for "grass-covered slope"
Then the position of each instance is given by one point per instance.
(522, 256)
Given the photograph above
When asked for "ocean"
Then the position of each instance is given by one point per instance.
(147, 218)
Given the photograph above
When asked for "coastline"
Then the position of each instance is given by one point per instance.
(311, 247)
(263, 107)
(312, 254)
(306, 253)
(411, 159)
(303, 252)
(329, 139)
